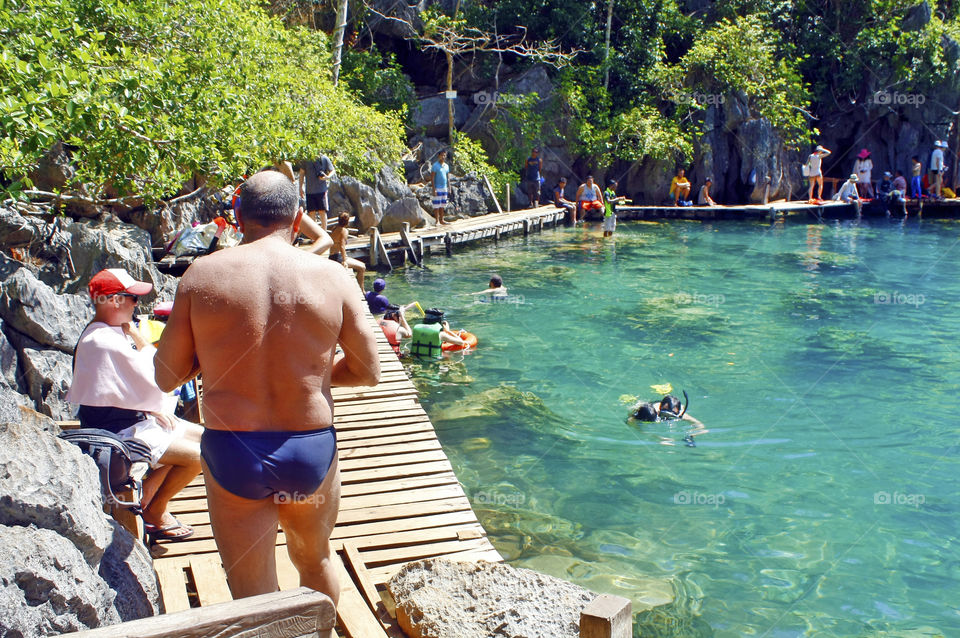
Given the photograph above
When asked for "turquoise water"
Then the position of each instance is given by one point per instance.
(822, 359)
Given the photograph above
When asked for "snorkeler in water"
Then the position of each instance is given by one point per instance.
(668, 408)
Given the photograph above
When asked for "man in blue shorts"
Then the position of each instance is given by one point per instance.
(439, 173)
(262, 322)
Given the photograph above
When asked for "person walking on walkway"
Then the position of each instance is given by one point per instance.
(262, 322)
(315, 176)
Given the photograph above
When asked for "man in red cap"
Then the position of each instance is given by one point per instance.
(262, 321)
(113, 382)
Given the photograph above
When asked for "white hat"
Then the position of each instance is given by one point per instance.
(853, 178)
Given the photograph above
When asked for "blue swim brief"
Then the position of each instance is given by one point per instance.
(287, 465)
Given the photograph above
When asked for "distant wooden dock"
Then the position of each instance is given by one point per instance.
(384, 251)
(400, 502)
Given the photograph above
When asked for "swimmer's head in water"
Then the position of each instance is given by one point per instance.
(392, 312)
(645, 412)
(496, 281)
(670, 406)
(433, 315)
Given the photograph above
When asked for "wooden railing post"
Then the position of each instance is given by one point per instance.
(374, 256)
(607, 617)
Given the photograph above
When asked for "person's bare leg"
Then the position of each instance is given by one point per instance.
(813, 181)
(246, 534)
(183, 457)
(152, 483)
(307, 524)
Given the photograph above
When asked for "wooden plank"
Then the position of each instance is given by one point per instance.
(379, 557)
(416, 469)
(210, 579)
(607, 617)
(285, 614)
(352, 610)
(173, 585)
(366, 586)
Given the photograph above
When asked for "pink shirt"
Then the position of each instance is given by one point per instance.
(110, 372)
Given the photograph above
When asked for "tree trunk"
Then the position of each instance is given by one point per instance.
(450, 127)
(606, 59)
(341, 20)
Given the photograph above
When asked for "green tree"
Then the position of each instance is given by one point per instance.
(147, 94)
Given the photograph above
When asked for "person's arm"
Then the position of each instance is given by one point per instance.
(449, 336)
(580, 191)
(322, 242)
(433, 180)
(131, 330)
(176, 360)
(596, 189)
(359, 364)
(404, 331)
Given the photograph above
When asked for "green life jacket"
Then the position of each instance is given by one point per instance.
(426, 340)
(609, 208)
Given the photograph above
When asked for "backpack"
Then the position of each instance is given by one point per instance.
(113, 459)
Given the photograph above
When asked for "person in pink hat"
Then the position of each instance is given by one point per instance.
(863, 169)
(113, 383)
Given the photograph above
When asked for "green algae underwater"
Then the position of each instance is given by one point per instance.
(822, 359)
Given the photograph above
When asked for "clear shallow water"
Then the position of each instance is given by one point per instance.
(822, 501)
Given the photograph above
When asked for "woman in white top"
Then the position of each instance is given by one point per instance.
(863, 169)
(814, 171)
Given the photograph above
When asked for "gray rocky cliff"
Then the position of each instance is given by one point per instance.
(64, 564)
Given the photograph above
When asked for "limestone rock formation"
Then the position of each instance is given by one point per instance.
(31, 307)
(64, 564)
(439, 598)
(405, 210)
(48, 374)
(432, 117)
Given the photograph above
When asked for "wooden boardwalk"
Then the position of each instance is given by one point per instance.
(400, 502)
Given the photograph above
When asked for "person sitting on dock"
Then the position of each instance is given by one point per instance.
(916, 183)
(900, 183)
(531, 177)
(704, 198)
(589, 198)
(113, 383)
(376, 300)
(395, 327)
(439, 174)
(269, 448)
(560, 201)
(815, 172)
(680, 188)
(886, 185)
(496, 291)
(610, 208)
(338, 253)
(848, 193)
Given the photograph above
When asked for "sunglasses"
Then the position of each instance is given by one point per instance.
(135, 298)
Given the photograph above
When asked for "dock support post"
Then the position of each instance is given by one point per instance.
(374, 256)
(607, 617)
(448, 244)
(405, 236)
(526, 227)
(508, 198)
(493, 194)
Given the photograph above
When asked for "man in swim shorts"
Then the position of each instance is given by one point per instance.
(262, 322)
(113, 371)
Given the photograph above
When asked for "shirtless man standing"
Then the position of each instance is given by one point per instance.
(261, 322)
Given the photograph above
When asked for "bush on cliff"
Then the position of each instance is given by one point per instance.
(147, 94)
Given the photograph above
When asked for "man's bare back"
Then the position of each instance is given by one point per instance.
(265, 319)
(261, 322)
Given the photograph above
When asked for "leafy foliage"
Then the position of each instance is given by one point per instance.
(147, 94)
(378, 81)
(469, 157)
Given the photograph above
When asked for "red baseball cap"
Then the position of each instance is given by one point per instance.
(116, 280)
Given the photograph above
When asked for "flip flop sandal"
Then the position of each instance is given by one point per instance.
(155, 533)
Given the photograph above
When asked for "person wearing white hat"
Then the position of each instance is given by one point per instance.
(936, 168)
(113, 383)
(815, 172)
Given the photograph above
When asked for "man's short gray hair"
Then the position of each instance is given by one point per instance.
(268, 198)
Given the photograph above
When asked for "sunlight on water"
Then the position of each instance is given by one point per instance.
(822, 359)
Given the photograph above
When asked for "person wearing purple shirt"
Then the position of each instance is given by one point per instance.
(377, 302)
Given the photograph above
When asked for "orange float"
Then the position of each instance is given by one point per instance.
(469, 337)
